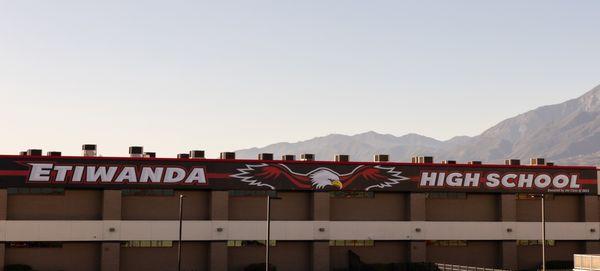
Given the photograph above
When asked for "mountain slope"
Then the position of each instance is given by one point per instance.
(557, 132)
(568, 133)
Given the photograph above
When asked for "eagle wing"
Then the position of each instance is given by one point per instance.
(372, 177)
(271, 175)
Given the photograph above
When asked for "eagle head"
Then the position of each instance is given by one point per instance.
(321, 178)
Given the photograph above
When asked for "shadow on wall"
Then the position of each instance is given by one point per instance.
(355, 264)
(259, 267)
(17, 267)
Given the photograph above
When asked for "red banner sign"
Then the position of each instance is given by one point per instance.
(213, 174)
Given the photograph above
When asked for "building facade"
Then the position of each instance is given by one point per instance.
(109, 217)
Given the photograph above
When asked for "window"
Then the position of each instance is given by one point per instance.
(250, 243)
(525, 196)
(35, 244)
(447, 243)
(351, 194)
(148, 192)
(351, 243)
(153, 243)
(446, 195)
(35, 191)
(535, 242)
(252, 193)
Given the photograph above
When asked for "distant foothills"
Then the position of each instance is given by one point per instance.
(566, 133)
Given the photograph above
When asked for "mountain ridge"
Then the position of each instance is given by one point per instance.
(567, 133)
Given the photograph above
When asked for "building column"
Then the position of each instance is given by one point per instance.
(111, 210)
(320, 256)
(320, 206)
(219, 210)
(218, 256)
(590, 214)
(3, 216)
(110, 258)
(417, 212)
(508, 212)
(320, 249)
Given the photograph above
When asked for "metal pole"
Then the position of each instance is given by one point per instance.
(180, 230)
(543, 234)
(268, 232)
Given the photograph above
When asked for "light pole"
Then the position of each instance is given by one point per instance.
(267, 255)
(543, 234)
(180, 231)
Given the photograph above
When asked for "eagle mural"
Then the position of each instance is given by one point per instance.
(360, 178)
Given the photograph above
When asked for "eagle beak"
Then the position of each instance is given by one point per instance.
(337, 184)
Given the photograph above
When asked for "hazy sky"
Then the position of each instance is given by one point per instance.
(224, 75)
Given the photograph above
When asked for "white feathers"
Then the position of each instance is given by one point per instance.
(322, 177)
(246, 176)
(396, 177)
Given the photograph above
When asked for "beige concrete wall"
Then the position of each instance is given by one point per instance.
(476, 253)
(194, 257)
(71, 257)
(73, 205)
(476, 207)
(292, 256)
(382, 207)
(204, 230)
(195, 206)
(395, 252)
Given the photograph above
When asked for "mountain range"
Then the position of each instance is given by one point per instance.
(565, 133)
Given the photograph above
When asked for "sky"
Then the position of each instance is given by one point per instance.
(225, 75)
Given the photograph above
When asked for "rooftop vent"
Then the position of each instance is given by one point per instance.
(342, 158)
(183, 156)
(265, 156)
(288, 157)
(307, 157)
(475, 163)
(228, 155)
(537, 161)
(136, 151)
(34, 152)
(422, 159)
(512, 162)
(149, 154)
(381, 158)
(89, 150)
(53, 153)
(197, 154)
(449, 162)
